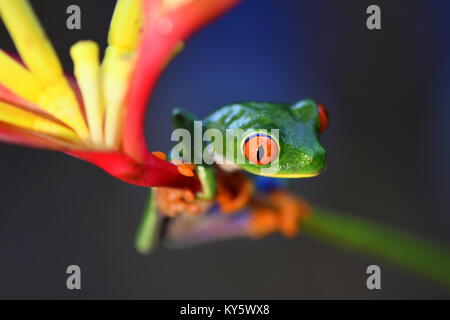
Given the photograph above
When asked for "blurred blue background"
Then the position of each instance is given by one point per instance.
(388, 94)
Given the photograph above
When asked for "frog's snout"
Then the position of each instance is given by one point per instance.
(314, 161)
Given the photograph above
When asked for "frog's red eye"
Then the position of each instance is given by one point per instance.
(261, 149)
(323, 118)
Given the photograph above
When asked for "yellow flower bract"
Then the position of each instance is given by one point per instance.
(41, 79)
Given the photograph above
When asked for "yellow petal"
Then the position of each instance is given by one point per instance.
(123, 38)
(30, 39)
(85, 55)
(126, 25)
(116, 72)
(41, 59)
(60, 101)
(18, 79)
(27, 120)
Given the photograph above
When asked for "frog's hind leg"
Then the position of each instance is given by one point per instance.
(279, 211)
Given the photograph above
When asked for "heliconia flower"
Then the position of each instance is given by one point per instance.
(98, 115)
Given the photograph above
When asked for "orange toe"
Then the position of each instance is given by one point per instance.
(234, 191)
(160, 155)
(280, 212)
(186, 169)
(292, 211)
(264, 221)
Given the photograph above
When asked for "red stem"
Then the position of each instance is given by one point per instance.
(152, 172)
(157, 46)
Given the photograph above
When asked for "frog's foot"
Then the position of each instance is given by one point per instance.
(160, 155)
(172, 202)
(186, 169)
(281, 211)
(234, 191)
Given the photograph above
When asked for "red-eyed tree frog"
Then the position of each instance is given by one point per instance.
(263, 139)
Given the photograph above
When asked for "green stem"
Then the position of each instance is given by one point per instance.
(147, 234)
(406, 250)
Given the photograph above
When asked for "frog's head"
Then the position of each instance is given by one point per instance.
(278, 140)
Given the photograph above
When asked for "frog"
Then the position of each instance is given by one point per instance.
(295, 153)
(261, 144)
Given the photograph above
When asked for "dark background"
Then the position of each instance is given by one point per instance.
(388, 93)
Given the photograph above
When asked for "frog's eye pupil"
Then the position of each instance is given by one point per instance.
(260, 154)
(261, 149)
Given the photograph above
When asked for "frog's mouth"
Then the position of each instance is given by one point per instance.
(291, 175)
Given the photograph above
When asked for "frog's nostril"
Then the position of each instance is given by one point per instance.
(315, 161)
(307, 158)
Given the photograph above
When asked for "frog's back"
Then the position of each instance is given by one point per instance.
(247, 115)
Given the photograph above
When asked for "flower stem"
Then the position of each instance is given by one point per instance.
(147, 234)
(406, 250)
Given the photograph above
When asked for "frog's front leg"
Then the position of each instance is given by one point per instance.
(172, 202)
(234, 191)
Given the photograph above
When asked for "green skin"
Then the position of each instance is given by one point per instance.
(300, 152)
(301, 155)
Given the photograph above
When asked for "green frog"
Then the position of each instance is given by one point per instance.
(240, 140)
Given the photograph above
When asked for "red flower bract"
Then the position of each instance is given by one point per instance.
(166, 25)
(161, 36)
